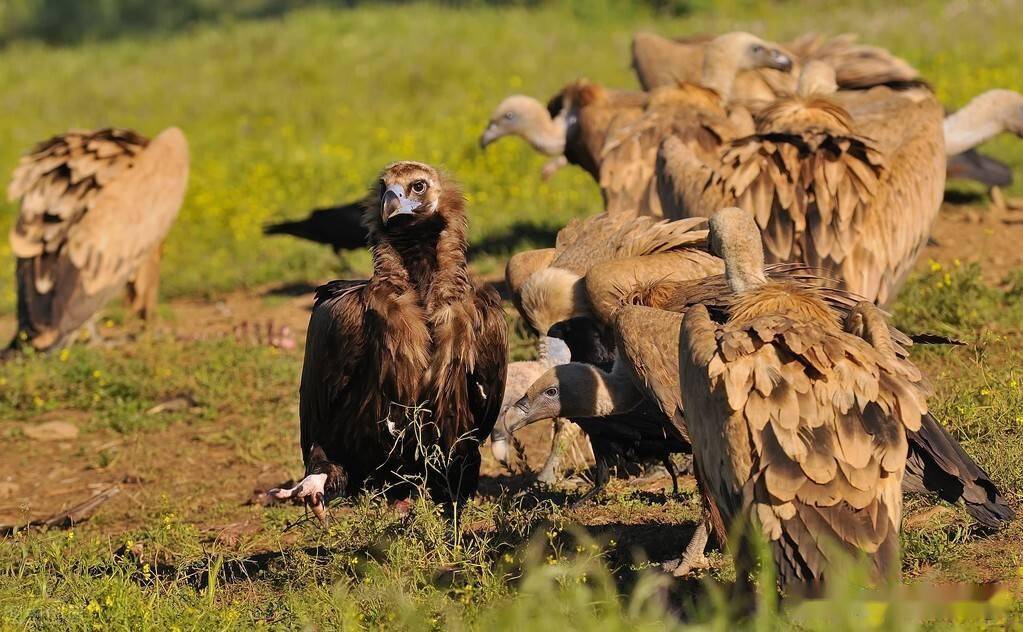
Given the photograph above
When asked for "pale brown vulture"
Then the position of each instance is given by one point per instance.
(583, 116)
(799, 418)
(646, 329)
(662, 62)
(659, 61)
(549, 288)
(404, 373)
(95, 209)
(849, 183)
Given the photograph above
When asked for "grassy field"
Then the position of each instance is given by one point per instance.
(302, 111)
(284, 115)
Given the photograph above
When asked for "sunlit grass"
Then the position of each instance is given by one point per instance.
(287, 114)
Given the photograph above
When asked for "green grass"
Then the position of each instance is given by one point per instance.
(290, 113)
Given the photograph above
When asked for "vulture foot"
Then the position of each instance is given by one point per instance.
(692, 558)
(311, 490)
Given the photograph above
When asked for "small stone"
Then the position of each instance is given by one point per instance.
(51, 431)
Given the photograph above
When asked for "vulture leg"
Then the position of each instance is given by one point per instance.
(144, 286)
(565, 434)
(602, 474)
(311, 489)
(693, 557)
(461, 476)
(324, 480)
(668, 465)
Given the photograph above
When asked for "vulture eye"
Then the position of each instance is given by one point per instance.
(552, 391)
(757, 48)
(419, 186)
(509, 115)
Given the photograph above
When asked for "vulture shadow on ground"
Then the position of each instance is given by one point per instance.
(963, 197)
(300, 288)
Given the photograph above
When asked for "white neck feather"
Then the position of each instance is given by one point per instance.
(979, 120)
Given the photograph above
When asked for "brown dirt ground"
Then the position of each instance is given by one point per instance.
(195, 463)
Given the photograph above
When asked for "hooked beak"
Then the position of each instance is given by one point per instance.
(395, 203)
(512, 419)
(489, 135)
(778, 60)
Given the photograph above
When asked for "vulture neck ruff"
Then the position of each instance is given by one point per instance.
(419, 253)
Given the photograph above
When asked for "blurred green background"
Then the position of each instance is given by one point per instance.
(291, 105)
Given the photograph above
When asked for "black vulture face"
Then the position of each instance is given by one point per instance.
(409, 191)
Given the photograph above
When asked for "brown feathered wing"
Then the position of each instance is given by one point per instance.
(94, 205)
(800, 429)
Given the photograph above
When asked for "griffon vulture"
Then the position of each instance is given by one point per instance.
(646, 332)
(548, 287)
(659, 61)
(584, 116)
(95, 209)
(404, 373)
(849, 183)
(799, 417)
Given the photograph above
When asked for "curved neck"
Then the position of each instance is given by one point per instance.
(549, 137)
(979, 120)
(592, 392)
(744, 278)
(719, 70)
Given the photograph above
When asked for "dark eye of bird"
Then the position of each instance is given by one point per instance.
(419, 186)
(509, 115)
(551, 392)
(757, 48)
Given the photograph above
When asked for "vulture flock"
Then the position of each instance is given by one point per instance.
(763, 203)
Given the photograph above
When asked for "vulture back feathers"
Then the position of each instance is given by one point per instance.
(404, 373)
(849, 184)
(805, 417)
(95, 208)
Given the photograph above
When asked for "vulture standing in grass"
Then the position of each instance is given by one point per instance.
(95, 209)
(577, 122)
(404, 373)
(549, 288)
(662, 62)
(799, 418)
(847, 182)
(646, 329)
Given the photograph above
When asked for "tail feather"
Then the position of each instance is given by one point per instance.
(938, 464)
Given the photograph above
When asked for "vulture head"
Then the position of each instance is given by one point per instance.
(529, 119)
(745, 51)
(735, 237)
(410, 196)
(575, 389)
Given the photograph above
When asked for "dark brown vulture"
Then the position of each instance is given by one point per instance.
(404, 373)
(95, 209)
